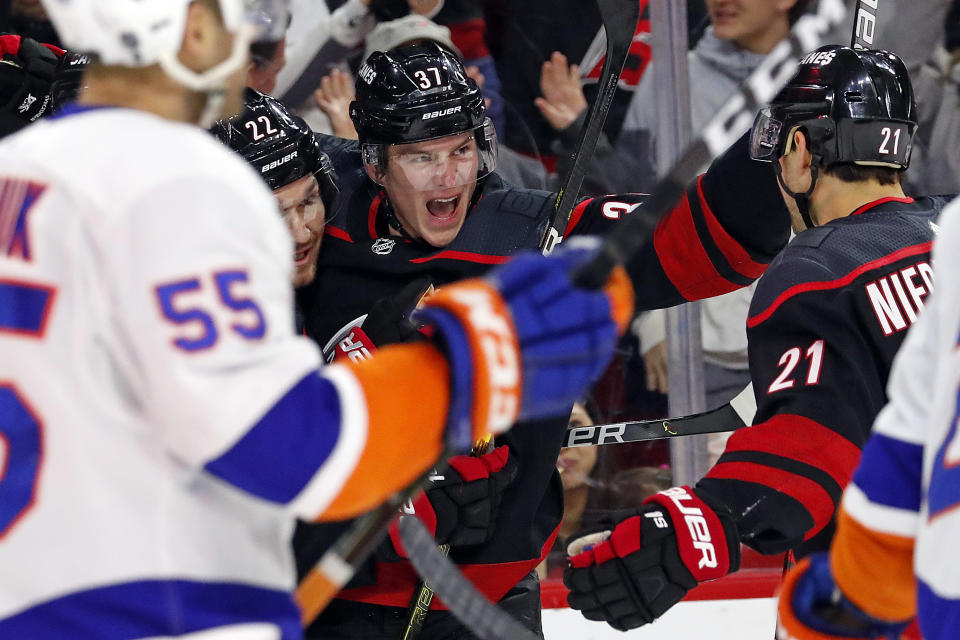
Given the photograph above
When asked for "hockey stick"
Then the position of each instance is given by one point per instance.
(338, 564)
(423, 594)
(620, 18)
(864, 24)
(719, 133)
(736, 414)
(478, 614)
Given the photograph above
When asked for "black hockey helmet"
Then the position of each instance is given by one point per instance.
(856, 106)
(418, 92)
(279, 146)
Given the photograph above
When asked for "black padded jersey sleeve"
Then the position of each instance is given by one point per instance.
(729, 225)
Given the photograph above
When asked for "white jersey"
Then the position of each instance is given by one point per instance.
(908, 481)
(160, 422)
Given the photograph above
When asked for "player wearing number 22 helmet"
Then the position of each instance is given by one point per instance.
(824, 325)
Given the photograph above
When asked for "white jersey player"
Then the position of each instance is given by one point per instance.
(894, 555)
(160, 423)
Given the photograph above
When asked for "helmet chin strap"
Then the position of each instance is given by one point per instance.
(802, 199)
(392, 219)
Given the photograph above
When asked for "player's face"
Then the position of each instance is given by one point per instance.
(746, 21)
(430, 185)
(576, 463)
(305, 216)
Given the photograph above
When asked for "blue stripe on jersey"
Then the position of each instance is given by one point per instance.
(939, 617)
(153, 608)
(281, 453)
(889, 472)
(23, 308)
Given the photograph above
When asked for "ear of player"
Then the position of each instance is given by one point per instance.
(812, 607)
(524, 342)
(651, 559)
(460, 506)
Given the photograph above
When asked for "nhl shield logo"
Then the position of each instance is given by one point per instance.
(383, 246)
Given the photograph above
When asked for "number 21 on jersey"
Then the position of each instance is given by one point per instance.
(789, 361)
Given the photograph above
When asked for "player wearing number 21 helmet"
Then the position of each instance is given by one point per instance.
(824, 325)
(162, 426)
(423, 201)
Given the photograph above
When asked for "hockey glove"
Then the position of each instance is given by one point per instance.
(631, 576)
(25, 77)
(460, 506)
(528, 315)
(388, 321)
(812, 607)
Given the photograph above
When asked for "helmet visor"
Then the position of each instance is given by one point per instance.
(438, 164)
(765, 136)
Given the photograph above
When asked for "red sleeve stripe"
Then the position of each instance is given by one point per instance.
(683, 258)
(337, 233)
(808, 493)
(575, 216)
(801, 439)
(906, 252)
(466, 256)
(372, 216)
(733, 251)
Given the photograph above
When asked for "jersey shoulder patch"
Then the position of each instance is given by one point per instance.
(812, 238)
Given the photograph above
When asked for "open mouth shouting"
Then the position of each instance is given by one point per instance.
(444, 210)
(302, 254)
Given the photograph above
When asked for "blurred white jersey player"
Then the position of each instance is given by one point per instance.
(160, 423)
(895, 553)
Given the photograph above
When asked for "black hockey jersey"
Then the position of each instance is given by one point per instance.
(824, 325)
(719, 238)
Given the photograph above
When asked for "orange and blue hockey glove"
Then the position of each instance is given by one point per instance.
(525, 342)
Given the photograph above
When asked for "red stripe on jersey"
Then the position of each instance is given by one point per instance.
(732, 250)
(906, 252)
(871, 205)
(575, 216)
(802, 439)
(683, 257)
(337, 233)
(372, 216)
(466, 256)
(796, 438)
(396, 580)
(811, 495)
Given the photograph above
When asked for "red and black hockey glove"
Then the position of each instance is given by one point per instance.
(460, 506)
(27, 69)
(631, 575)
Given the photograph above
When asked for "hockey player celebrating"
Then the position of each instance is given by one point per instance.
(283, 150)
(423, 200)
(893, 555)
(162, 425)
(824, 325)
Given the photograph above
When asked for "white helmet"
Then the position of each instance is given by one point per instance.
(137, 33)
